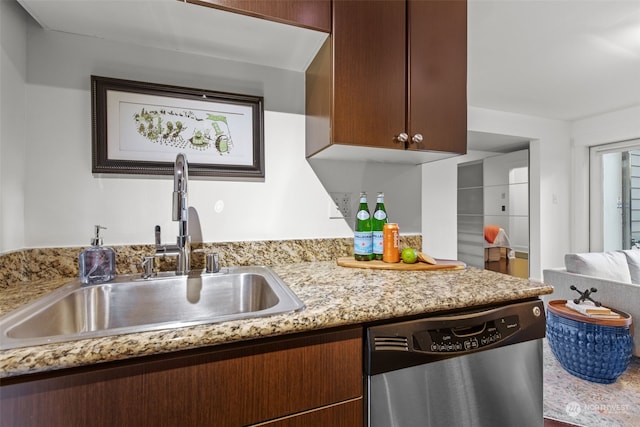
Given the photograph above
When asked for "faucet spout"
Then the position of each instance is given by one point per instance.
(180, 186)
(180, 212)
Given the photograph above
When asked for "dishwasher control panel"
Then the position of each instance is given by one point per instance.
(459, 333)
(465, 338)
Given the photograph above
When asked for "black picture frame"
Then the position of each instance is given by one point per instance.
(139, 127)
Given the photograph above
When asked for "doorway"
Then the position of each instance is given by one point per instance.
(493, 213)
(615, 196)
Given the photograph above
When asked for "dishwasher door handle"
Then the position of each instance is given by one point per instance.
(470, 331)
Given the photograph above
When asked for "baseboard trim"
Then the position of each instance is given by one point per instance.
(521, 255)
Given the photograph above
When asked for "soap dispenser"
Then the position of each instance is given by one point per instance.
(97, 263)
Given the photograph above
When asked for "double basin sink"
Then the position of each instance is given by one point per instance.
(131, 304)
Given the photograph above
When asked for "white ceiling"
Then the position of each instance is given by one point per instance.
(491, 142)
(559, 59)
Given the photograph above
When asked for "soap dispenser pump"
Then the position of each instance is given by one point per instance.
(97, 263)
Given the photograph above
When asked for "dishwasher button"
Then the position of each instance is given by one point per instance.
(422, 341)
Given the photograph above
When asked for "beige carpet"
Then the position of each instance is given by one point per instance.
(584, 403)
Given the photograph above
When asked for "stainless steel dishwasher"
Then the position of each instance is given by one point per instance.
(473, 368)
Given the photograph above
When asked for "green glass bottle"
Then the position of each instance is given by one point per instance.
(363, 235)
(377, 224)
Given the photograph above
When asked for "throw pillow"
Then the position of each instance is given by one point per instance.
(633, 261)
(605, 265)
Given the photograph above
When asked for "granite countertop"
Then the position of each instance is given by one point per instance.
(334, 296)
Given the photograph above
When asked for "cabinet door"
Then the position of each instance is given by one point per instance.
(369, 70)
(314, 14)
(231, 386)
(438, 74)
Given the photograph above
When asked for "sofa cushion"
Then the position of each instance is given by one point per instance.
(605, 265)
(633, 262)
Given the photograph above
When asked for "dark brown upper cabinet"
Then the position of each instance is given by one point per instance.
(313, 14)
(393, 74)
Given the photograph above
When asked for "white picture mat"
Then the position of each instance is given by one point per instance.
(124, 142)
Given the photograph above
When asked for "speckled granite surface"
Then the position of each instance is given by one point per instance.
(334, 296)
(573, 400)
(58, 263)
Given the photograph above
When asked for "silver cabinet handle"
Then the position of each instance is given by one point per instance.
(417, 138)
(403, 137)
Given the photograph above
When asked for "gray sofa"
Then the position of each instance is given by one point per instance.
(616, 276)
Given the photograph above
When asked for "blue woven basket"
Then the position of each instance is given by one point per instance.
(589, 351)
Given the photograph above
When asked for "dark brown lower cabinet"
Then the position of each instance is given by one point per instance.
(300, 380)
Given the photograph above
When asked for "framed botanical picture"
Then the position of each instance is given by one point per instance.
(139, 128)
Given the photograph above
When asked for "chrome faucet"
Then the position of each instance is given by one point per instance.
(180, 212)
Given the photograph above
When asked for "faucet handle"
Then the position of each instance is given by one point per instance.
(212, 264)
(158, 239)
(148, 264)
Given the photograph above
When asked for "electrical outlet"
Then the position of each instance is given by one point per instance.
(340, 205)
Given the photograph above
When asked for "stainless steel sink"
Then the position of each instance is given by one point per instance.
(132, 304)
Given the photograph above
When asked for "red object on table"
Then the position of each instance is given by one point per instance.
(491, 232)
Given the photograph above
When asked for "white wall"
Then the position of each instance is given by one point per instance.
(63, 200)
(559, 174)
(549, 187)
(400, 184)
(549, 181)
(617, 126)
(440, 208)
(621, 125)
(13, 72)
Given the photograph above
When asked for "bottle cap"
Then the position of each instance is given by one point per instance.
(97, 240)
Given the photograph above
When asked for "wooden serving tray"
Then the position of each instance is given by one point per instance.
(559, 308)
(443, 264)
